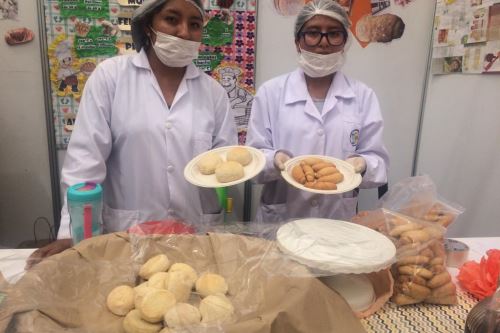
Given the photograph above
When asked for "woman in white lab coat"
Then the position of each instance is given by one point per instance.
(316, 110)
(142, 118)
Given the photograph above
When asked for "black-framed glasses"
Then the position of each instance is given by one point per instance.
(334, 37)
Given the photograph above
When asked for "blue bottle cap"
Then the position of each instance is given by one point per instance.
(85, 192)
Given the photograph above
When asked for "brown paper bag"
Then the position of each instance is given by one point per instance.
(68, 291)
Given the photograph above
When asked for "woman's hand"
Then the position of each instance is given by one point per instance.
(47, 251)
(280, 158)
(358, 163)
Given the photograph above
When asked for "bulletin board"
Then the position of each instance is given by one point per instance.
(82, 33)
(466, 37)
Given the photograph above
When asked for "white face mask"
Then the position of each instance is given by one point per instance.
(320, 65)
(173, 51)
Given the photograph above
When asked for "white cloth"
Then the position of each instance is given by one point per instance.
(128, 139)
(284, 117)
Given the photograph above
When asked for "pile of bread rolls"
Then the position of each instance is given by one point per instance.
(165, 301)
(420, 273)
(317, 174)
(225, 171)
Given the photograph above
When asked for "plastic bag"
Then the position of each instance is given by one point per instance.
(420, 273)
(418, 197)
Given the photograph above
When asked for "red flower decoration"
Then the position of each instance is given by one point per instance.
(480, 279)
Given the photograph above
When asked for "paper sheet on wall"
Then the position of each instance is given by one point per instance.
(465, 36)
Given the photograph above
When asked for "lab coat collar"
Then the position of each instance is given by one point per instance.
(296, 89)
(140, 60)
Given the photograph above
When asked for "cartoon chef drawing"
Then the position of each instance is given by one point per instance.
(66, 74)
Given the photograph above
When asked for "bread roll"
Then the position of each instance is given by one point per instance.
(179, 283)
(133, 323)
(190, 272)
(155, 304)
(208, 163)
(159, 263)
(210, 284)
(216, 308)
(240, 155)
(157, 280)
(181, 315)
(140, 291)
(229, 171)
(120, 300)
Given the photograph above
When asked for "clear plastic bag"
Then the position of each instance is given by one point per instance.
(419, 273)
(418, 197)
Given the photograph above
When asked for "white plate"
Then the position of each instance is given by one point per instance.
(335, 246)
(350, 182)
(357, 289)
(195, 177)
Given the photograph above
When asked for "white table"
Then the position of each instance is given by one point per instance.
(12, 261)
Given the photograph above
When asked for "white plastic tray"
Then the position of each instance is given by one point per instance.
(336, 247)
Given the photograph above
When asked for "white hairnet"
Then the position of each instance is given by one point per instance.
(328, 8)
(144, 14)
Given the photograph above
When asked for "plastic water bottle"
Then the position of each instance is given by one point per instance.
(85, 210)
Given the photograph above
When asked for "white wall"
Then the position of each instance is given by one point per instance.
(25, 191)
(459, 148)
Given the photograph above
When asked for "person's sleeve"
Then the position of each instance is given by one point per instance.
(90, 143)
(225, 128)
(371, 146)
(259, 134)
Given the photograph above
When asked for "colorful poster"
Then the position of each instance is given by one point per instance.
(78, 39)
(466, 36)
(8, 9)
(229, 42)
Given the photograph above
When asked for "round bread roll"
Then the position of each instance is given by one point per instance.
(120, 300)
(240, 155)
(216, 308)
(208, 163)
(229, 171)
(179, 283)
(158, 263)
(155, 304)
(181, 315)
(133, 323)
(210, 284)
(157, 280)
(190, 272)
(140, 291)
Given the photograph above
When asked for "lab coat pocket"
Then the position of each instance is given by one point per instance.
(271, 213)
(349, 208)
(118, 219)
(350, 139)
(202, 141)
(211, 219)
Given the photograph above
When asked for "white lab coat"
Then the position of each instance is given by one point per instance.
(284, 117)
(128, 139)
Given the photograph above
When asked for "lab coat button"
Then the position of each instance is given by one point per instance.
(321, 132)
(170, 168)
(168, 125)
